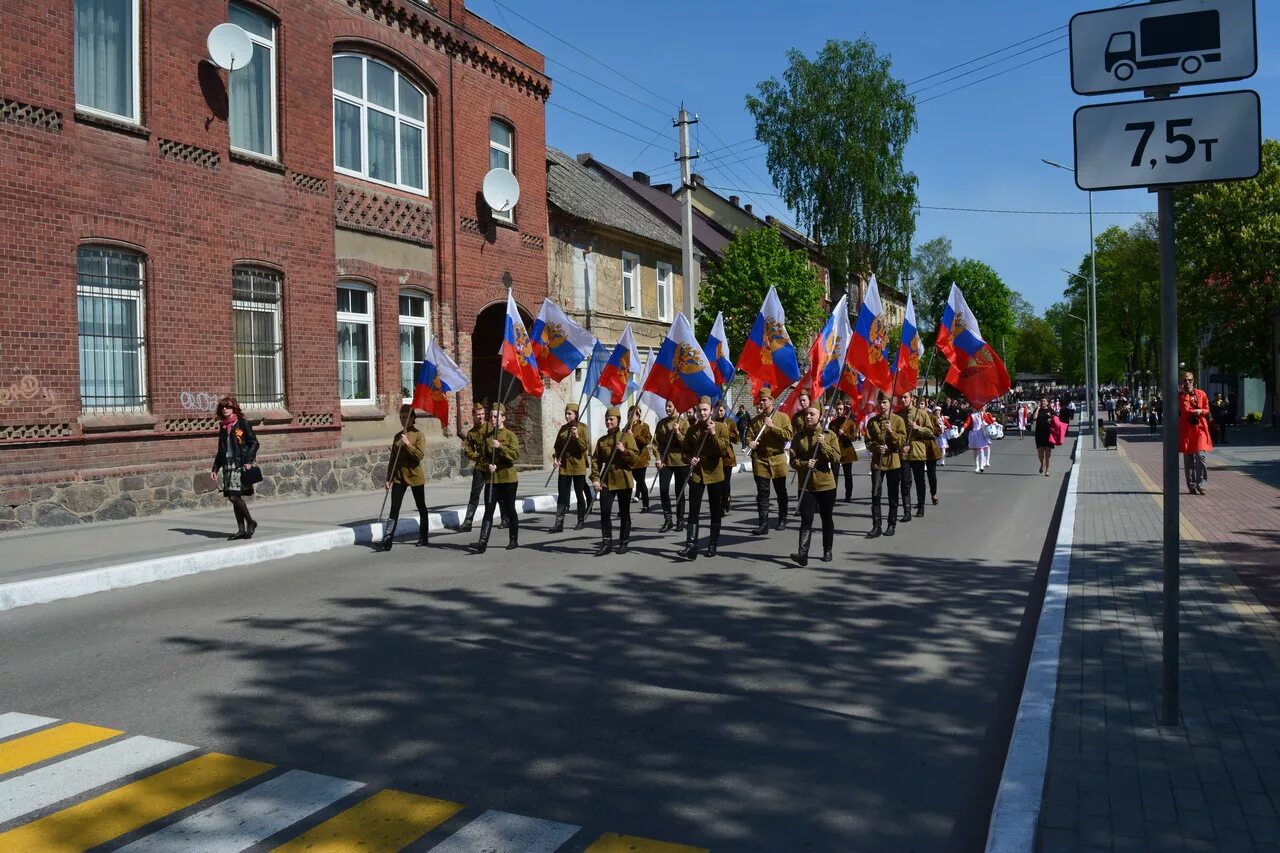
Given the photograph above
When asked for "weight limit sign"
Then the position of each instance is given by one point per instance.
(1159, 143)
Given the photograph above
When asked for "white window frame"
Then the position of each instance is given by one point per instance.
(631, 290)
(508, 216)
(364, 106)
(272, 45)
(367, 320)
(140, 306)
(135, 117)
(423, 322)
(278, 311)
(666, 290)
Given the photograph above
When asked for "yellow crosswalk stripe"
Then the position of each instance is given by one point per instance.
(613, 843)
(386, 822)
(133, 806)
(33, 748)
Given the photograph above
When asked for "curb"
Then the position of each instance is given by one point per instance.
(1015, 816)
(57, 587)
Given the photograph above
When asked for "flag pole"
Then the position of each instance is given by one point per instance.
(395, 457)
(698, 454)
(581, 396)
(814, 455)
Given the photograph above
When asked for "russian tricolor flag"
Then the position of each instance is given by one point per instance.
(680, 371)
(976, 369)
(827, 355)
(623, 364)
(958, 328)
(517, 351)
(768, 356)
(717, 352)
(869, 347)
(559, 344)
(439, 375)
(907, 366)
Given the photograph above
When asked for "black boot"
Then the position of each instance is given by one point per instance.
(482, 544)
(605, 547)
(713, 540)
(920, 510)
(802, 555)
(558, 527)
(388, 534)
(690, 549)
(582, 518)
(424, 533)
(906, 514)
(826, 555)
(666, 523)
(782, 520)
(465, 526)
(874, 532)
(502, 523)
(513, 538)
(624, 545)
(891, 529)
(680, 525)
(762, 517)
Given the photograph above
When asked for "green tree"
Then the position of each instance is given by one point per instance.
(739, 282)
(928, 263)
(836, 127)
(989, 298)
(1228, 246)
(1038, 350)
(1068, 335)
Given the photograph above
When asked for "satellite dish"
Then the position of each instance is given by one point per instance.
(501, 190)
(229, 47)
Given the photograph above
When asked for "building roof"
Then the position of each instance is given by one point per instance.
(589, 195)
(706, 237)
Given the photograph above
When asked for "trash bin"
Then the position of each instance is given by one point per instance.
(1109, 438)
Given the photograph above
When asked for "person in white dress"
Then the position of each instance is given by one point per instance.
(943, 437)
(979, 441)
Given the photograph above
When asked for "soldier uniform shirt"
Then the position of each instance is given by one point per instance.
(734, 438)
(474, 445)
(668, 442)
(710, 453)
(643, 438)
(825, 450)
(619, 473)
(504, 457)
(769, 459)
(920, 435)
(408, 459)
(846, 430)
(890, 430)
(571, 447)
(934, 452)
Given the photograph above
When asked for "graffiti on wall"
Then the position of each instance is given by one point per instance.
(198, 401)
(27, 388)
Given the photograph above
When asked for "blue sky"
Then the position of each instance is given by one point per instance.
(976, 148)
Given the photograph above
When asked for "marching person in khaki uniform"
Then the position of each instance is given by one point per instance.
(803, 402)
(886, 437)
(920, 437)
(668, 442)
(768, 434)
(640, 465)
(611, 465)
(815, 453)
(722, 416)
(903, 408)
(474, 445)
(501, 479)
(569, 454)
(934, 452)
(404, 471)
(707, 446)
(846, 430)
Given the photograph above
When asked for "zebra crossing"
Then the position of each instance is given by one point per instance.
(68, 787)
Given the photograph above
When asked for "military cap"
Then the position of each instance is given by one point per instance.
(704, 400)
(813, 409)
(499, 407)
(571, 407)
(766, 394)
(613, 412)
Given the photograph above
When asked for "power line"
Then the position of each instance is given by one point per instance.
(991, 76)
(984, 56)
(584, 95)
(722, 167)
(596, 121)
(550, 59)
(988, 65)
(971, 209)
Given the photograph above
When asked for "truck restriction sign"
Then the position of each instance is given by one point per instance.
(1154, 143)
(1151, 45)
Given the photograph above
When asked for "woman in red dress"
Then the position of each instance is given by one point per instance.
(1193, 432)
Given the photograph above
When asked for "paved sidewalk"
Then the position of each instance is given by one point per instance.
(1116, 779)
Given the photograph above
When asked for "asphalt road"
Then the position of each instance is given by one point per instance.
(738, 703)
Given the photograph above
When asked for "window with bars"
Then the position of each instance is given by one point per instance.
(355, 343)
(111, 318)
(255, 311)
(415, 333)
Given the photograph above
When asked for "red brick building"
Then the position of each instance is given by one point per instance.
(292, 231)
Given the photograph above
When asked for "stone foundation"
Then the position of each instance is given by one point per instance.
(111, 495)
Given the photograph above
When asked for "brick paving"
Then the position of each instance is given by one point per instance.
(1118, 781)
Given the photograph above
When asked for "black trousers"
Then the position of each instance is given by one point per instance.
(642, 484)
(880, 479)
(845, 470)
(905, 483)
(728, 487)
(918, 472)
(419, 498)
(623, 499)
(931, 471)
(503, 495)
(665, 476)
(824, 504)
(580, 489)
(779, 489)
(477, 487)
(715, 498)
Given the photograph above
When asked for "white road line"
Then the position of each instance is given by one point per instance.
(38, 789)
(245, 819)
(503, 832)
(14, 723)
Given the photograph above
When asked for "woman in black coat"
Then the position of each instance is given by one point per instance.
(237, 450)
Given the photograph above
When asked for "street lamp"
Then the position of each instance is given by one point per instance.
(1090, 377)
(1093, 298)
(1087, 392)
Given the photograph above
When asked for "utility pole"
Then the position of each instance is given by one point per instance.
(687, 266)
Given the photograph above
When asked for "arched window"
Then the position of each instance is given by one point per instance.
(111, 315)
(255, 313)
(415, 332)
(502, 146)
(379, 124)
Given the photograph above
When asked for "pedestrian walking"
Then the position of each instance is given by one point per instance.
(915, 454)
(1221, 416)
(933, 453)
(1045, 433)
(1193, 433)
(612, 473)
(404, 472)
(236, 461)
(1153, 419)
(501, 479)
(731, 461)
(570, 456)
(803, 401)
(979, 441)
(706, 444)
(770, 431)
(815, 454)
(475, 447)
(845, 427)
(672, 465)
(886, 437)
(1022, 420)
(944, 437)
(643, 436)
(742, 419)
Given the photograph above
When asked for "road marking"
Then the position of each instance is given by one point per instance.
(71, 777)
(503, 832)
(245, 819)
(133, 806)
(613, 843)
(386, 822)
(15, 723)
(33, 748)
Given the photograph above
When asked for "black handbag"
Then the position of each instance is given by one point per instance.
(250, 476)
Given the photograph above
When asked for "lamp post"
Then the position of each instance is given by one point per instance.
(1084, 324)
(1090, 360)
(1093, 302)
